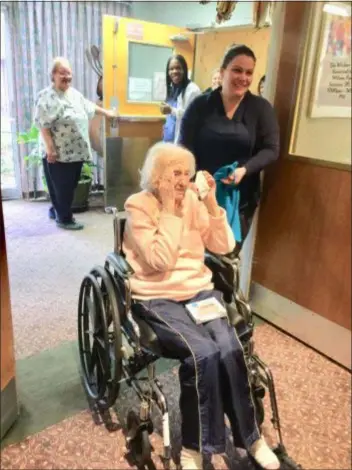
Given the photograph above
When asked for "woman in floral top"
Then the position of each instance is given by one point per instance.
(62, 114)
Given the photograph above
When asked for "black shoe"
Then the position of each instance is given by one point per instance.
(70, 225)
(52, 213)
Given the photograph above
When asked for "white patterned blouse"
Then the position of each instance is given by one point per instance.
(67, 115)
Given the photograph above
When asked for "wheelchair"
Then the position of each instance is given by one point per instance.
(116, 346)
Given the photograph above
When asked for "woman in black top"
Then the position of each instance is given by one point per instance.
(231, 125)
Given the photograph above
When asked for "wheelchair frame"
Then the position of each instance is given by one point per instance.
(120, 346)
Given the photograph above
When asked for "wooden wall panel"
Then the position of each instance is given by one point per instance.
(303, 245)
(211, 46)
(303, 248)
(7, 351)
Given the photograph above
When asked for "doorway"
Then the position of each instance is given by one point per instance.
(10, 171)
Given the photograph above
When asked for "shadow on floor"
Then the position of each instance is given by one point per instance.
(49, 390)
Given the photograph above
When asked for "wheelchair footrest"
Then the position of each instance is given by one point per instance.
(101, 415)
(138, 363)
(286, 462)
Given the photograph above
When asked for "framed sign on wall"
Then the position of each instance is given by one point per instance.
(331, 87)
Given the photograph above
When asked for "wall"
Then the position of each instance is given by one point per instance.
(190, 14)
(210, 48)
(312, 137)
(7, 354)
(116, 59)
(8, 385)
(303, 247)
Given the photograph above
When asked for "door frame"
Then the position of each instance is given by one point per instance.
(16, 192)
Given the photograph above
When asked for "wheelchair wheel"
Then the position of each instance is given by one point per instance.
(99, 337)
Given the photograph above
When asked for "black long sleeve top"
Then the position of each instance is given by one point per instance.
(250, 138)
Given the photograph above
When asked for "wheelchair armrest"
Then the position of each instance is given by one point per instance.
(212, 260)
(120, 265)
(231, 259)
(234, 316)
(244, 329)
(224, 273)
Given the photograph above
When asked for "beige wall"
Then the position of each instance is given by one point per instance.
(210, 48)
(324, 139)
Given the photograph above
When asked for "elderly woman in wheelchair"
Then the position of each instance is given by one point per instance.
(167, 232)
(156, 297)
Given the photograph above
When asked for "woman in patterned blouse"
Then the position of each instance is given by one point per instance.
(62, 114)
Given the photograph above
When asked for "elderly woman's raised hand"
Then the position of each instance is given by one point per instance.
(210, 199)
(166, 191)
(211, 183)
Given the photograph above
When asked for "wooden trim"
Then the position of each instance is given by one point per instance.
(7, 350)
(9, 407)
(316, 161)
(334, 341)
(296, 20)
(290, 66)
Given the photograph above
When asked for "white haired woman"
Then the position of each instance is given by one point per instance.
(62, 114)
(216, 81)
(167, 231)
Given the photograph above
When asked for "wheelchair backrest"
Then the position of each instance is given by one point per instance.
(119, 229)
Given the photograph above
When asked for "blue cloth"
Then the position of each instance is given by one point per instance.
(170, 123)
(228, 197)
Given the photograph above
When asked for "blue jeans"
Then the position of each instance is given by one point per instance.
(213, 374)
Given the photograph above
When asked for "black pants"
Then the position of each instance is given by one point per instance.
(62, 180)
(246, 218)
(213, 374)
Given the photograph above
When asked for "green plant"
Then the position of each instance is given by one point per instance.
(34, 158)
(87, 172)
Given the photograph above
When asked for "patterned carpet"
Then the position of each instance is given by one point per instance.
(46, 267)
(314, 398)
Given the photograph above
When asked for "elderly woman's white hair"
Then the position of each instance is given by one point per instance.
(160, 157)
(56, 63)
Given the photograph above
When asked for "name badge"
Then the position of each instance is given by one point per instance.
(206, 310)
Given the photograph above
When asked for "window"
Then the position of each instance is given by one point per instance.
(146, 77)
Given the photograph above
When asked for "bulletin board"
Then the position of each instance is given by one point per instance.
(146, 77)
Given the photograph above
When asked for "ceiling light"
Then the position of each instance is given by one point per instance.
(340, 10)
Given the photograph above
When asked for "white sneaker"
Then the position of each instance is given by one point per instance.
(263, 455)
(191, 459)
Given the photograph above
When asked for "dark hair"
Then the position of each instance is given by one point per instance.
(100, 88)
(185, 79)
(234, 51)
(261, 81)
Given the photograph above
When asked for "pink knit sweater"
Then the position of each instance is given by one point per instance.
(166, 252)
